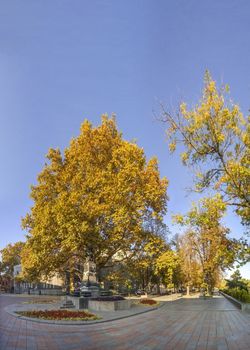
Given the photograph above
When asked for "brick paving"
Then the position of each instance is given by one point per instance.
(182, 324)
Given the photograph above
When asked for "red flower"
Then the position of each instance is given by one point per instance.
(148, 302)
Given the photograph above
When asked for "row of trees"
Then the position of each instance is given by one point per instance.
(196, 258)
(102, 200)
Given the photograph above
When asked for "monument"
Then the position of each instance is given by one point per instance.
(89, 271)
(89, 286)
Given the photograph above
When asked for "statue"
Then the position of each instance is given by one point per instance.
(89, 273)
(89, 285)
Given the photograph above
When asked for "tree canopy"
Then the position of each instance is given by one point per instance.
(11, 256)
(92, 201)
(216, 139)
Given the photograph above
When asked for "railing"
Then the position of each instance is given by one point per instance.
(242, 306)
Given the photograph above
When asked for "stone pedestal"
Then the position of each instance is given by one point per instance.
(109, 305)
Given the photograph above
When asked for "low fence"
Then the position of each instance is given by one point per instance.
(47, 292)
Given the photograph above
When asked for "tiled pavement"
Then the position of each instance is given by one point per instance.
(182, 324)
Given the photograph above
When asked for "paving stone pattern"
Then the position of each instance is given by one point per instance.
(182, 324)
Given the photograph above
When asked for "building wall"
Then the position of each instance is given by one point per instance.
(54, 282)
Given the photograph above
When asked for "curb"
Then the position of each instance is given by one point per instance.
(245, 307)
(78, 323)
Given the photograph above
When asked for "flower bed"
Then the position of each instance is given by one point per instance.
(149, 302)
(59, 315)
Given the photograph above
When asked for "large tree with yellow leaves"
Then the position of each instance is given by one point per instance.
(91, 202)
(206, 242)
(216, 139)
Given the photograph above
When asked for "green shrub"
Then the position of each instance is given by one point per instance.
(239, 294)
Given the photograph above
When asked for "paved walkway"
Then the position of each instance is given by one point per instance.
(181, 324)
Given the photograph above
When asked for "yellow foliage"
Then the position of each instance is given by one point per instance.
(93, 200)
(216, 137)
(205, 249)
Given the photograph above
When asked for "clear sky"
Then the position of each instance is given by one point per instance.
(63, 61)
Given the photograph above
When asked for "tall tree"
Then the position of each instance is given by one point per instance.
(211, 246)
(92, 202)
(216, 139)
(236, 281)
(190, 266)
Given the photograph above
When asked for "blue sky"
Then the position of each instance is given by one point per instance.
(64, 61)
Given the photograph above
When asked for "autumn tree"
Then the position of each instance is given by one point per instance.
(11, 256)
(92, 201)
(190, 267)
(167, 265)
(211, 246)
(216, 139)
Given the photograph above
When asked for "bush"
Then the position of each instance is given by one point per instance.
(239, 294)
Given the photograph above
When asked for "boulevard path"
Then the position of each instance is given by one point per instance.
(181, 324)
